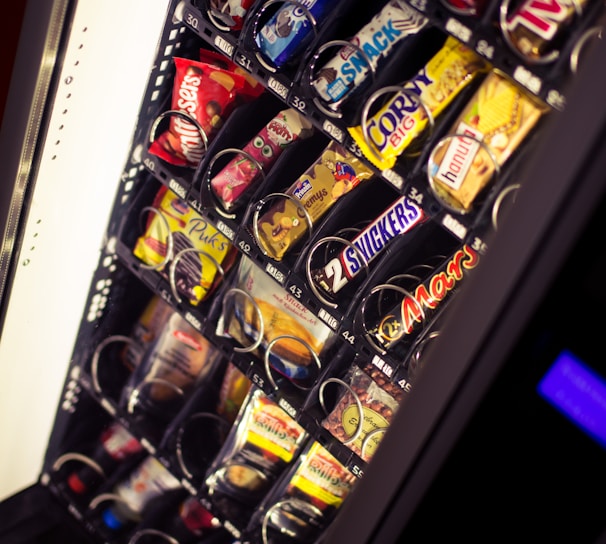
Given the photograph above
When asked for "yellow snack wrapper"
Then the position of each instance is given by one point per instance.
(333, 174)
(403, 118)
(489, 129)
(195, 270)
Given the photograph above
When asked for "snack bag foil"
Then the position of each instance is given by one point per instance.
(490, 128)
(262, 442)
(535, 27)
(242, 174)
(349, 68)
(195, 272)
(290, 29)
(205, 92)
(333, 174)
(362, 432)
(308, 498)
(273, 312)
(403, 118)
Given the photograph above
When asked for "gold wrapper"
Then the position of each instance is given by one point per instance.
(489, 129)
(534, 27)
(403, 118)
(333, 174)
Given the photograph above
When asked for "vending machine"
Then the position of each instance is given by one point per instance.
(303, 272)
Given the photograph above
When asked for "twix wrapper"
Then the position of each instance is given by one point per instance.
(333, 174)
(535, 25)
(391, 130)
(398, 219)
(490, 128)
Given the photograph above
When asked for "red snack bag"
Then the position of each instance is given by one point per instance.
(205, 92)
(252, 88)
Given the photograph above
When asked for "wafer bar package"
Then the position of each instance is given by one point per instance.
(290, 29)
(333, 174)
(242, 173)
(535, 27)
(349, 68)
(394, 127)
(195, 271)
(400, 218)
(492, 125)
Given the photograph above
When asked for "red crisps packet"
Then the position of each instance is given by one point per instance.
(205, 92)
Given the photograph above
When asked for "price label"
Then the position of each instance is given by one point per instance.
(223, 45)
(556, 100)
(279, 88)
(275, 273)
(333, 131)
(287, 407)
(531, 81)
(395, 179)
(458, 30)
(193, 320)
(177, 188)
(329, 319)
(226, 230)
(454, 226)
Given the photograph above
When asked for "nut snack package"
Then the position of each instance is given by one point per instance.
(363, 412)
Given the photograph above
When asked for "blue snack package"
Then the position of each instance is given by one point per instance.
(289, 30)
